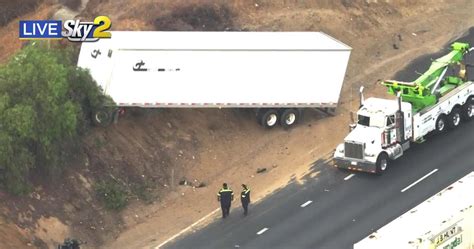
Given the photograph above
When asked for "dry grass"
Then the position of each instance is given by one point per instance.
(12, 9)
(9, 41)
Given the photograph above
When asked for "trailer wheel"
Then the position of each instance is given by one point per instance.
(268, 118)
(102, 117)
(454, 118)
(289, 117)
(441, 123)
(382, 163)
(467, 111)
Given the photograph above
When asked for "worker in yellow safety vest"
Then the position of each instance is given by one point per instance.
(225, 196)
(245, 198)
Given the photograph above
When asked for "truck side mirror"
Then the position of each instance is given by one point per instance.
(352, 126)
(361, 96)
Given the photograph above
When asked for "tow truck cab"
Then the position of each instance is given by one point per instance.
(381, 134)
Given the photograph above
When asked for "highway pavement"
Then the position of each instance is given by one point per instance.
(340, 212)
(338, 208)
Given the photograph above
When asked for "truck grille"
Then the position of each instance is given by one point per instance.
(354, 150)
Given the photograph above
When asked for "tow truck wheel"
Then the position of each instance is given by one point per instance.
(454, 118)
(269, 118)
(441, 123)
(381, 164)
(289, 117)
(467, 111)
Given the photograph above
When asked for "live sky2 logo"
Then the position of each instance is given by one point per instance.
(73, 30)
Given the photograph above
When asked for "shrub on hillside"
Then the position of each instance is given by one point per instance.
(197, 17)
(12, 9)
(112, 194)
(45, 105)
(72, 4)
(143, 190)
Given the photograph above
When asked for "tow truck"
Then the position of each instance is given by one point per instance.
(435, 101)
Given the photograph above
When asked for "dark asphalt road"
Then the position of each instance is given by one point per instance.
(342, 212)
(421, 64)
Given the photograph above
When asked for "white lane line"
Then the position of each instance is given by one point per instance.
(419, 180)
(306, 204)
(186, 229)
(262, 231)
(348, 177)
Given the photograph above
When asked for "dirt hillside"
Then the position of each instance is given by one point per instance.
(151, 151)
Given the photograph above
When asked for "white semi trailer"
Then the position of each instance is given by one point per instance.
(277, 73)
(385, 128)
(444, 221)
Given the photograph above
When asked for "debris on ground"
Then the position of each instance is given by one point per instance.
(261, 170)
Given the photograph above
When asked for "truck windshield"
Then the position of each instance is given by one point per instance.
(363, 120)
(390, 120)
(371, 121)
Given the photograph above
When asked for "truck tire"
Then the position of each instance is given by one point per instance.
(467, 110)
(440, 125)
(382, 163)
(289, 117)
(268, 118)
(102, 117)
(454, 118)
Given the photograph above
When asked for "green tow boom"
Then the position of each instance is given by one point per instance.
(431, 85)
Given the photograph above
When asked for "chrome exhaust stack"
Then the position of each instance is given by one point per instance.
(361, 96)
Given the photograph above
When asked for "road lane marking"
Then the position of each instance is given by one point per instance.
(419, 180)
(306, 204)
(348, 177)
(262, 231)
(186, 229)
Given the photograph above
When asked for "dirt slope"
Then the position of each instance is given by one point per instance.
(153, 150)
